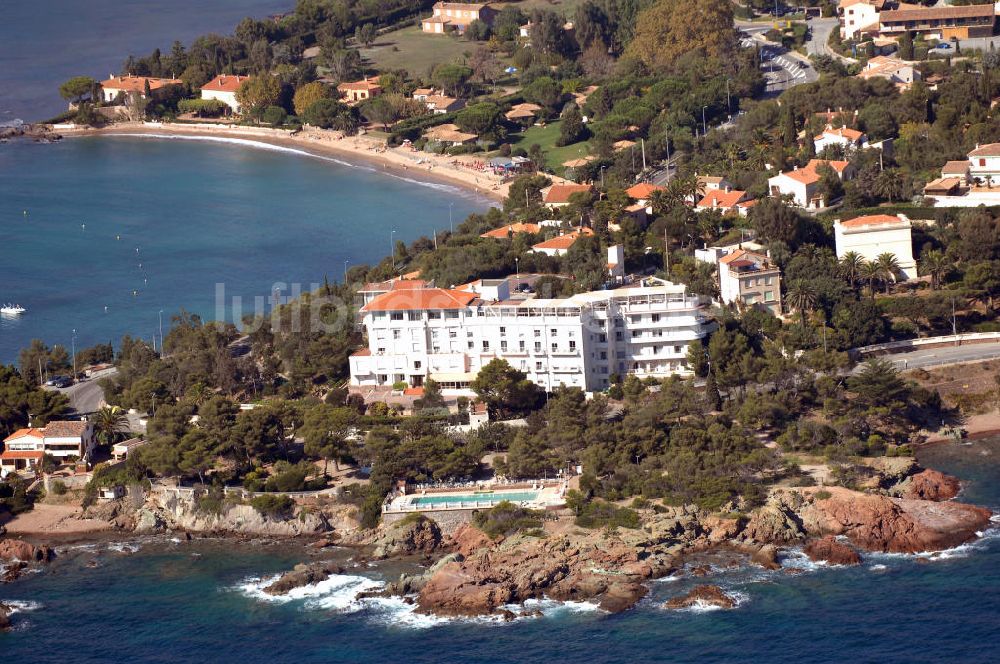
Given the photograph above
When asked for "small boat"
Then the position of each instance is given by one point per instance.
(12, 310)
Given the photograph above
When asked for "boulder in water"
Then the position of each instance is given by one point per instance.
(829, 550)
(702, 596)
(303, 575)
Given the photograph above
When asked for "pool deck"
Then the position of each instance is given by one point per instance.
(548, 496)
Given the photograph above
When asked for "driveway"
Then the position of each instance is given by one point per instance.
(86, 396)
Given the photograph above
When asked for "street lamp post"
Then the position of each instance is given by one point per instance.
(73, 342)
(392, 248)
(451, 220)
(602, 176)
(345, 271)
(704, 129)
(161, 331)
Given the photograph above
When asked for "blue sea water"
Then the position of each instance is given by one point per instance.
(200, 601)
(140, 225)
(45, 42)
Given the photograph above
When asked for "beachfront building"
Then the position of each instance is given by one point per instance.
(750, 278)
(23, 450)
(371, 290)
(121, 451)
(116, 86)
(510, 230)
(441, 104)
(558, 195)
(450, 135)
(355, 92)
(223, 88)
(579, 341)
(456, 17)
(876, 234)
(523, 114)
(802, 185)
(560, 244)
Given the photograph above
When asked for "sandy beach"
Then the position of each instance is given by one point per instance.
(372, 152)
(54, 520)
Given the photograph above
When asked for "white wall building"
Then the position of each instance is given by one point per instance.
(845, 137)
(223, 88)
(23, 450)
(803, 184)
(984, 164)
(752, 279)
(877, 234)
(858, 15)
(449, 335)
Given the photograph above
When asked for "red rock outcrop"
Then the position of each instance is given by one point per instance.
(879, 523)
(829, 550)
(15, 549)
(932, 485)
(468, 539)
(702, 595)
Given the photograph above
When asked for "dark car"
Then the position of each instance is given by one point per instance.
(61, 381)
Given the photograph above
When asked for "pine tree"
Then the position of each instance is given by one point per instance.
(788, 134)
(712, 396)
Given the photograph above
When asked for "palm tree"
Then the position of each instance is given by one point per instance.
(888, 268)
(937, 265)
(734, 153)
(871, 273)
(802, 298)
(109, 423)
(851, 265)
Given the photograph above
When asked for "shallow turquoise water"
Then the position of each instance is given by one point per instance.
(200, 601)
(140, 225)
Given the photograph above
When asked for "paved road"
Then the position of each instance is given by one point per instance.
(86, 397)
(932, 357)
(783, 69)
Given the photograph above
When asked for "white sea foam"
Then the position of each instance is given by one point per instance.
(124, 547)
(878, 568)
(261, 145)
(21, 606)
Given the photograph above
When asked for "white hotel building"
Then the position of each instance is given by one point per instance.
(579, 341)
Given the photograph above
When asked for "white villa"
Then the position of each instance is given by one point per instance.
(802, 184)
(223, 88)
(849, 139)
(579, 341)
(23, 450)
(750, 278)
(984, 163)
(877, 234)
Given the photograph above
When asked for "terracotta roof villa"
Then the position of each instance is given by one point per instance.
(119, 84)
(960, 22)
(643, 190)
(559, 194)
(512, 229)
(423, 298)
(225, 83)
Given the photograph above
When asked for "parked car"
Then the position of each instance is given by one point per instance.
(943, 46)
(59, 381)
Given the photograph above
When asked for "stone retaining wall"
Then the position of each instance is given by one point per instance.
(447, 520)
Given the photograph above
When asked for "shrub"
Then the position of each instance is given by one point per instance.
(600, 514)
(506, 518)
(822, 495)
(59, 488)
(273, 506)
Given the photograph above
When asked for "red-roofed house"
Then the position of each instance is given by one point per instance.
(726, 201)
(370, 291)
(24, 448)
(558, 194)
(984, 163)
(802, 184)
(643, 191)
(22, 451)
(560, 244)
(876, 234)
(509, 230)
(116, 85)
(456, 16)
(359, 91)
(223, 88)
(849, 139)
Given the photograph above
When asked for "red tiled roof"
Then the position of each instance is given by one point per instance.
(65, 429)
(988, 150)
(17, 454)
(560, 193)
(937, 13)
(873, 220)
(642, 191)
(850, 134)
(20, 433)
(368, 84)
(225, 83)
(518, 227)
(413, 392)
(563, 241)
(809, 173)
(138, 83)
(394, 284)
(720, 198)
(951, 167)
(419, 300)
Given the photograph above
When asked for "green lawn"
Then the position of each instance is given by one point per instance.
(565, 7)
(546, 137)
(416, 51)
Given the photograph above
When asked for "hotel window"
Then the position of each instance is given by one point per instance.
(471, 345)
(416, 364)
(636, 319)
(572, 345)
(520, 345)
(538, 333)
(486, 345)
(655, 318)
(452, 334)
(538, 366)
(451, 314)
(434, 315)
(503, 346)
(503, 330)
(415, 315)
(553, 332)
(395, 334)
(555, 348)
(538, 346)
(436, 349)
(380, 350)
(677, 349)
(604, 355)
(618, 336)
(603, 338)
(396, 315)
(434, 334)
(416, 348)
(768, 296)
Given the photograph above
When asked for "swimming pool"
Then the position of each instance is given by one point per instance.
(484, 497)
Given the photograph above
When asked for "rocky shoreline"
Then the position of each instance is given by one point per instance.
(469, 574)
(41, 133)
